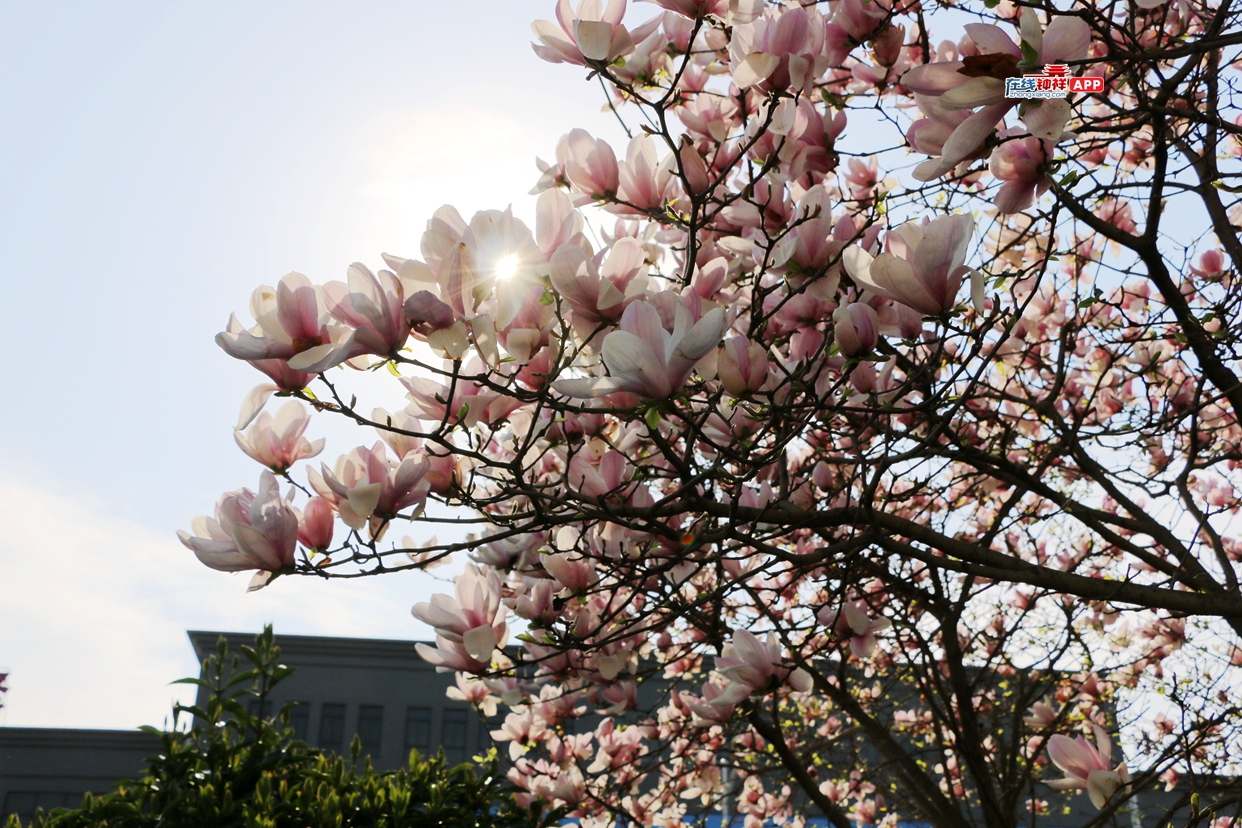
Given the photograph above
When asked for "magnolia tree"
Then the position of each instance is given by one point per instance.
(882, 420)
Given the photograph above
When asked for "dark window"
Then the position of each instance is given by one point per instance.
(453, 736)
(299, 720)
(418, 729)
(370, 726)
(331, 726)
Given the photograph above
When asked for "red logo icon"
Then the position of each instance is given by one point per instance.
(1088, 85)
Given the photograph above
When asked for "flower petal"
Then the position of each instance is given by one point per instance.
(934, 78)
(1068, 38)
(594, 38)
(756, 68)
(255, 399)
(633, 360)
(1048, 120)
(480, 642)
(974, 92)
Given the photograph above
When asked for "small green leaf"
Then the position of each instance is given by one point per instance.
(652, 418)
(1029, 55)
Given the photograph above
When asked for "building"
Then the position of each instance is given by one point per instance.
(43, 767)
(379, 690)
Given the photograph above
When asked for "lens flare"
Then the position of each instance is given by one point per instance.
(507, 266)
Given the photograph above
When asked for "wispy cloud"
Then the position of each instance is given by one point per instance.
(95, 610)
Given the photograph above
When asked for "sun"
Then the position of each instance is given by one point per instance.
(507, 266)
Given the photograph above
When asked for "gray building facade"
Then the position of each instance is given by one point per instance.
(379, 690)
(44, 767)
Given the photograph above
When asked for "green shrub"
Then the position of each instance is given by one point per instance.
(235, 768)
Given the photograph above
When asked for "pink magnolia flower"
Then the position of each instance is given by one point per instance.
(286, 379)
(642, 178)
(645, 358)
(616, 698)
(651, 58)
(862, 178)
(557, 222)
(474, 692)
(733, 12)
(692, 167)
(249, 531)
(923, 264)
(463, 401)
(537, 602)
(888, 46)
(977, 82)
(1117, 213)
(852, 621)
(897, 319)
(709, 117)
(480, 270)
(591, 34)
(595, 290)
(742, 366)
(292, 327)
(928, 134)
(818, 238)
(591, 166)
(1041, 715)
(855, 328)
(574, 574)
(446, 468)
(854, 21)
(474, 624)
(718, 701)
(1087, 767)
(816, 135)
(1020, 163)
(315, 524)
(374, 305)
(599, 479)
(1212, 265)
(520, 730)
(366, 484)
(758, 664)
(277, 442)
(779, 50)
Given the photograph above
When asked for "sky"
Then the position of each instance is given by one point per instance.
(158, 161)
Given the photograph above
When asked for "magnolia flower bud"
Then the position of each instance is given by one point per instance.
(315, 525)
(693, 167)
(887, 45)
(856, 329)
(742, 366)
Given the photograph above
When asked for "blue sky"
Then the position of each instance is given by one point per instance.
(158, 161)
